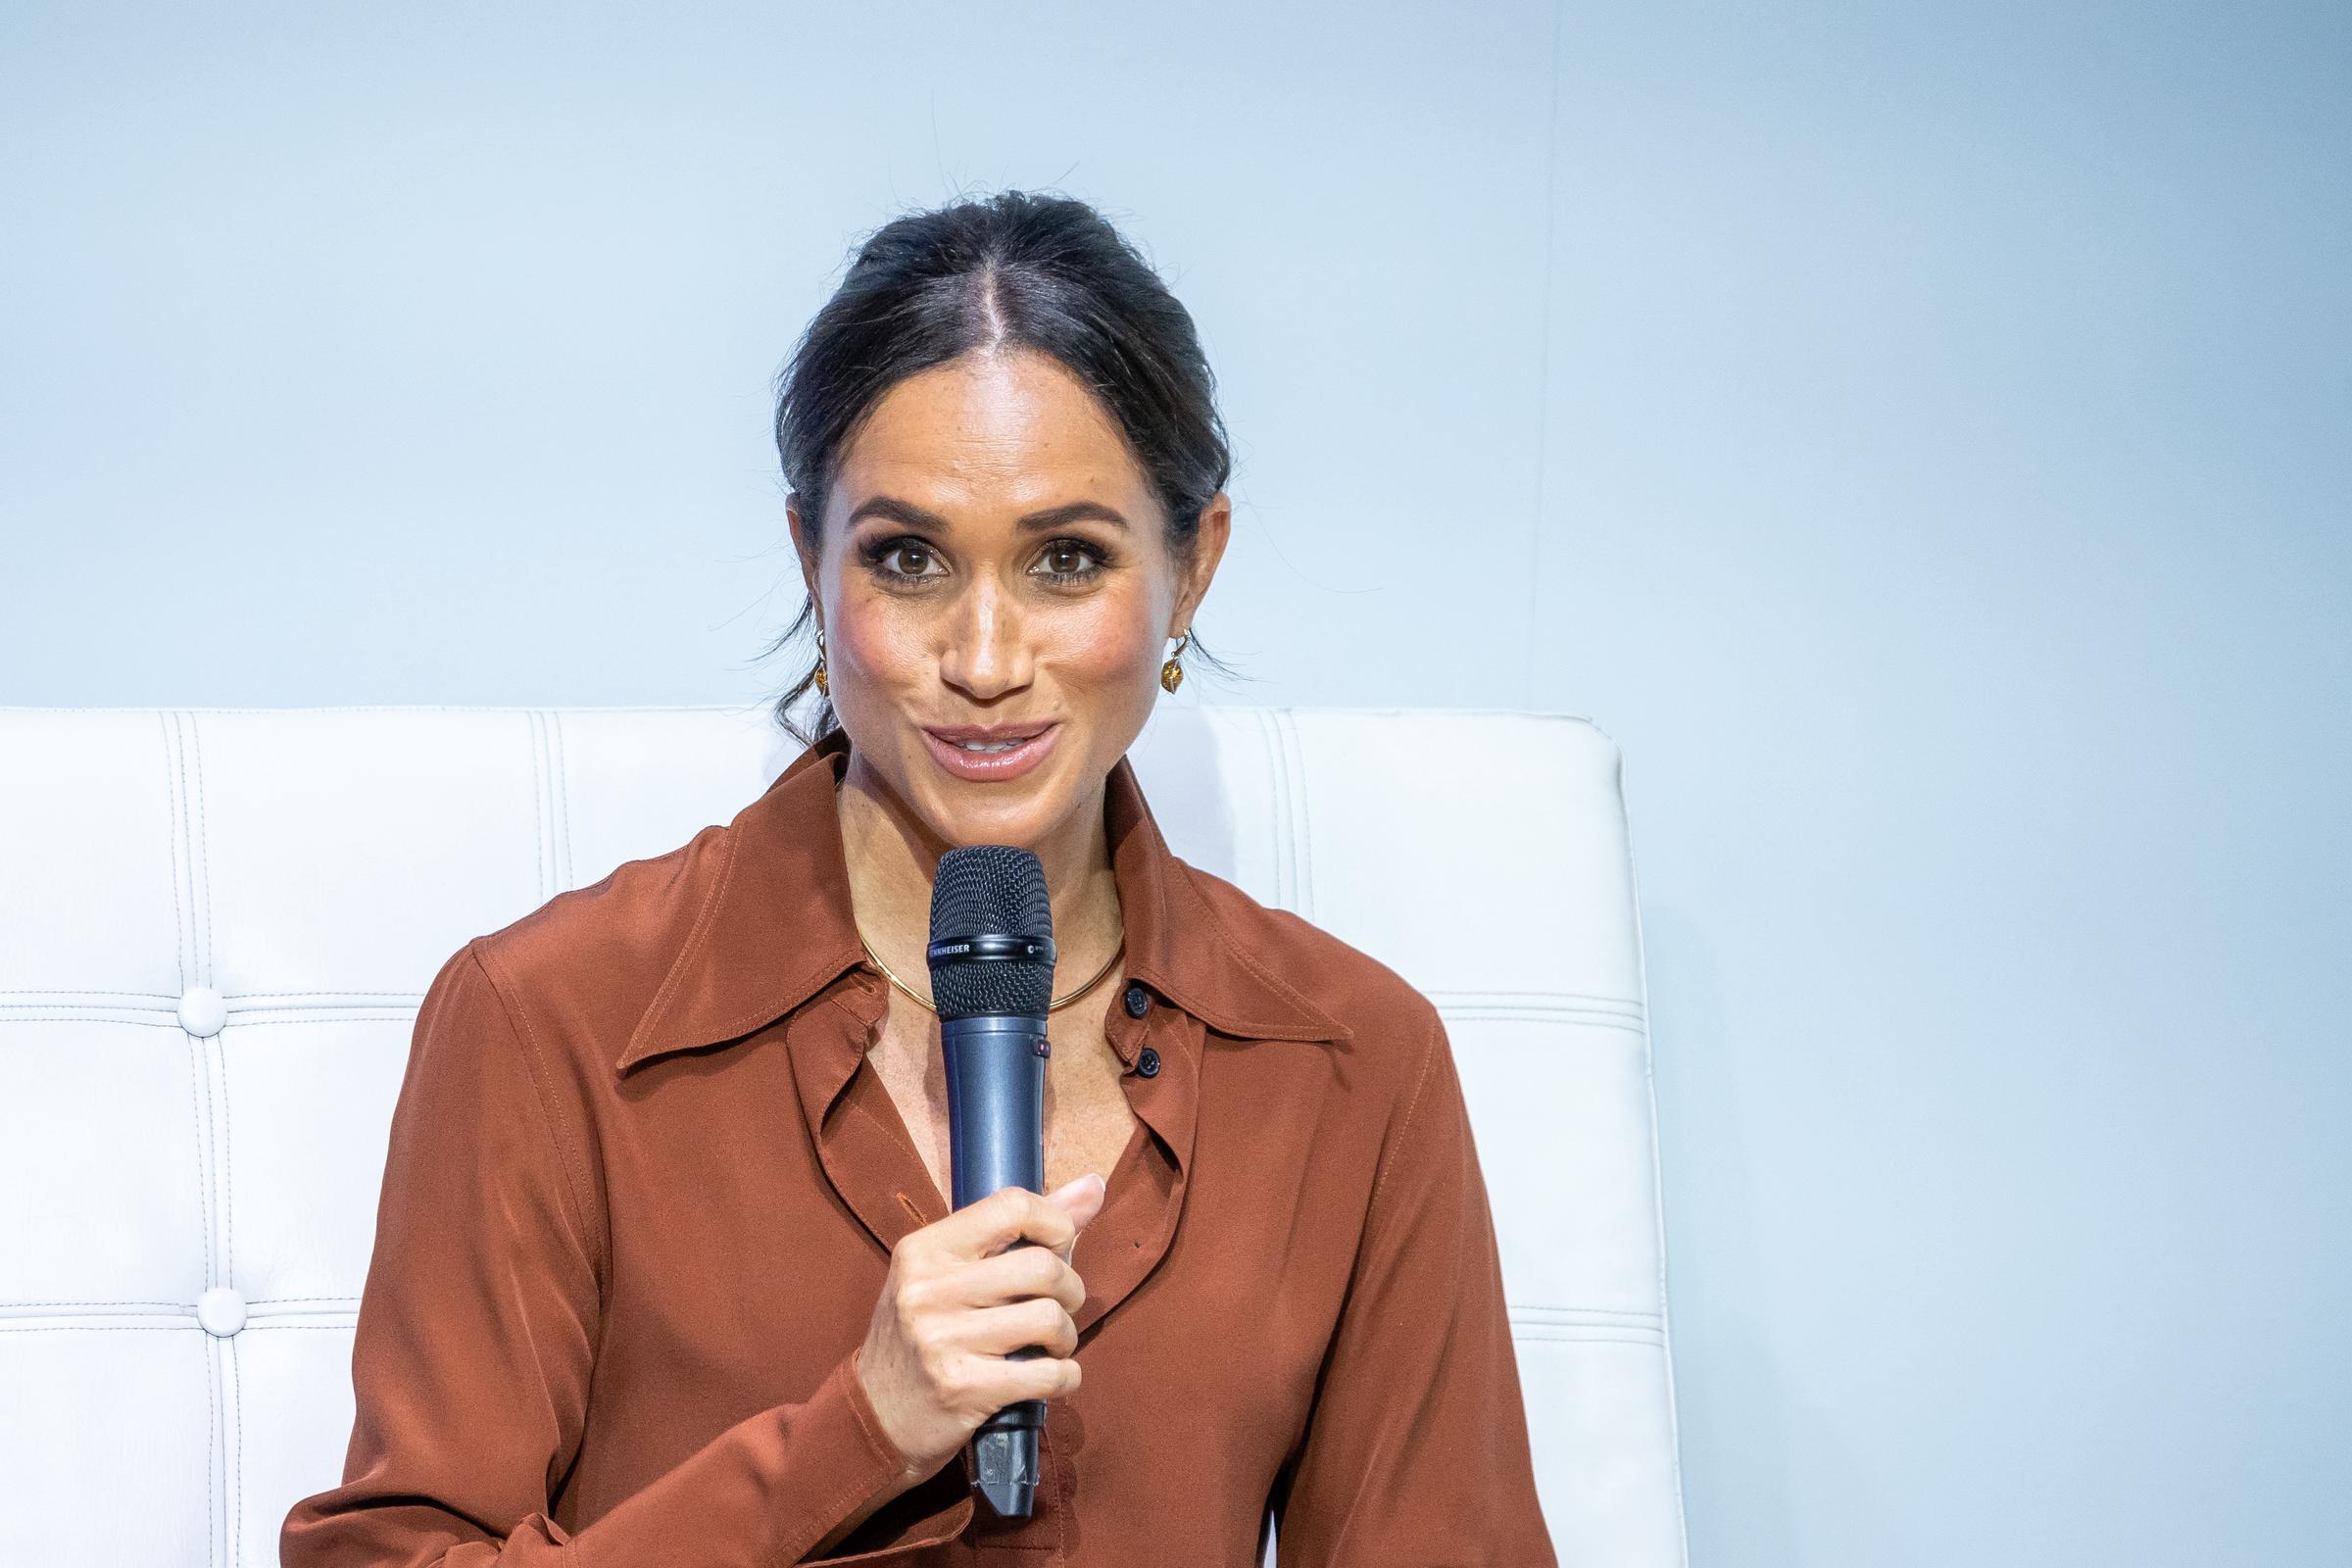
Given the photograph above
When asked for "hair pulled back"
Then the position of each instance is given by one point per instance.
(1012, 271)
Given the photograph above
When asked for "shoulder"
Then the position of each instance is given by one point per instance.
(1383, 1016)
(581, 968)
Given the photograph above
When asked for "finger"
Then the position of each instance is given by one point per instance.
(1017, 1275)
(1017, 1326)
(1005, 1216)
(1048, 1377)
(991, 1382)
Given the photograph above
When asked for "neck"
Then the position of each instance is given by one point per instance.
(894, 855)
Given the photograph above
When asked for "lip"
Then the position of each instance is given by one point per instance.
(995, 767)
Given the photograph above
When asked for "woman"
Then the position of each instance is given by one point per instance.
(664, 1273)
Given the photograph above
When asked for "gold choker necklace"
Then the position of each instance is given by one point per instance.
(1050, 1006)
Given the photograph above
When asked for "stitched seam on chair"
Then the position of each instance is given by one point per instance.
(63, 991)
(162, 1019)
(413, 995)
(236, 1483)
(203, 1205)
(341, 1015)
(1573, 1016)
(1537, 1313)
(519, 1025)
(129, 1328)
(184, 857)
(1598, 998)
(211, 1147)
(1278, 800)
(204, 845)
(180, 1305)
(539, 839)
(212, 1428)
(1294, 755)
(227, 1150)
(1583, 1339)
(180, 924)
(555, 722)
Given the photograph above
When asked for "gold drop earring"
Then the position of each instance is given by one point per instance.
(823, 689)
(1171, 673)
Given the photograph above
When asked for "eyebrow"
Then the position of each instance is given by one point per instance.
(913, 516)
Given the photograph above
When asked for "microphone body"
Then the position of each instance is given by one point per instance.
(991, 974)
(997, 1137)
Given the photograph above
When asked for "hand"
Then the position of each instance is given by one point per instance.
(959, 1295)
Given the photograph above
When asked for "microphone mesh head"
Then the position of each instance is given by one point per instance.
(982, 890)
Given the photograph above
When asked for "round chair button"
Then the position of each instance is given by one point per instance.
(202, 1011)
(1148, 1064)
(221, 1310)
(1138, 1001)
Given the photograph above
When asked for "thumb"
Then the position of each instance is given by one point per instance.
(1080, 1198)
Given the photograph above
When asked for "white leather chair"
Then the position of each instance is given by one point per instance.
(216, 926)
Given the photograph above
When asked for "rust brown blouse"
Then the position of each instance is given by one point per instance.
(642, 1187)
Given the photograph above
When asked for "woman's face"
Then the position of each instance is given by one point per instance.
(992, 556)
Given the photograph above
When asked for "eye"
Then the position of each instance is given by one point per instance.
(1072, 561)
(914, 551)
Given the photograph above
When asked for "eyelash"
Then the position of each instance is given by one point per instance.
(874, 554)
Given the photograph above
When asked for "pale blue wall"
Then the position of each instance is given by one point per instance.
(1918, 432)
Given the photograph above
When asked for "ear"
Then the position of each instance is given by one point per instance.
(1209, 548)
(804, 541)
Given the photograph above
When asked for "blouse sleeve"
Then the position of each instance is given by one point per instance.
(1416, 1448)
(471, 1360)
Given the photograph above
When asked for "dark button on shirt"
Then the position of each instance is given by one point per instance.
(1139, 1001)
(642, 1187)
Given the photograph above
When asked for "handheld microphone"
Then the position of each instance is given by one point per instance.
(992, 976)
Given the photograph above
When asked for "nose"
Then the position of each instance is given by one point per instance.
(987, 652)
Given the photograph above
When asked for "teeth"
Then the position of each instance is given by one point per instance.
(976, 745)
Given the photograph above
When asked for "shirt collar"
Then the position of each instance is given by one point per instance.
(776, 925)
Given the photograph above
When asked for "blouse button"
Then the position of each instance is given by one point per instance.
(1138, 1001)
(1148, 1064)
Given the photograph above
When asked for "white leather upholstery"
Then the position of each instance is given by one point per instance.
(216, 926)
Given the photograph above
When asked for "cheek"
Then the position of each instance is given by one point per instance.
(1110, 644)
(870, 637)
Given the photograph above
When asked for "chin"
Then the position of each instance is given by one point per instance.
(1000, 814)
